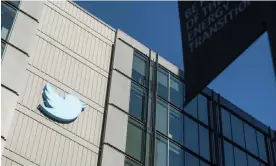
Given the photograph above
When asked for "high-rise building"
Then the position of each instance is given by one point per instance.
(134, 113)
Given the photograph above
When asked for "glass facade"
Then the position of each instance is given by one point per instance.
(185, 136)
(8, 13)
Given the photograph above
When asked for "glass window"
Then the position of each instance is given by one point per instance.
(163, 80)
(228, 154)
(176, 92)
(137, 102)
(15, 3)
(203, 109)
(202, 163)
(191, 108)
(191, 134)
(161, 151)
(139, 68)
(7, 18)
(240, 157)
(226, 123)
(129, 162)
(261, 145)
(252, 161)
(162, 117)
(204, 142)
(176, 125)
(135, 140)
(2, 48)
(237, 130)
(191, 160)
(176, 156)
(250, 139)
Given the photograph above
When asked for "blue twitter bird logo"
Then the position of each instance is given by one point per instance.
(60, 109)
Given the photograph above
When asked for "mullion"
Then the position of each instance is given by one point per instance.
(242, 119)
(185, 113)
(244, 150)
(182, 147)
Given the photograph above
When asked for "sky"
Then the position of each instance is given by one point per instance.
(249, 82)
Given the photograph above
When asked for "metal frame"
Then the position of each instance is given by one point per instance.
(214, 126)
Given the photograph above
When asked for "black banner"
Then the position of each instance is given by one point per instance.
(214, 34)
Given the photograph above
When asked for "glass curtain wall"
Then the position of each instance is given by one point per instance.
(183, 136)
(8, 14)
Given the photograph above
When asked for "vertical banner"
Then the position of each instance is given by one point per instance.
(214, 34)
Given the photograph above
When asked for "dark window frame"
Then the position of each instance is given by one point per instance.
(250, 125)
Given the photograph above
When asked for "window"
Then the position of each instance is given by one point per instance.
(161, 151)
(198, 108)
(261, 145)
(176, 92)
(139, 68)
(191, 134)
(176, 125)
(250, 139)
(252, 161)
(237, 130)
(162, 116)
(204, 142)
(203, 109)
(15, 3)
(135, 140)
(175, 155)
(226, 123)
(240, 157)
(228, 154)
(163, 80)
(191, 108)
(3, 45)
(191, 160)
(129, 162)
(7, 19)
(137, 102)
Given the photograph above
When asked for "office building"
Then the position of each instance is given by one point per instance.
(134, 98)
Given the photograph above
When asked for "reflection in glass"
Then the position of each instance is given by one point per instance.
(176, 92)
(163, 81)
(161, 151)
(237, 130)
(139, 66)
(162, 116)
(137, 102)
(7, 18)
(135, 140)
(176, 125)
(175, 155)
(226, 123)
(250, 139)
(191, 134)
(203, 109)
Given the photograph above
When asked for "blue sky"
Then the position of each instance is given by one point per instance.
(248, 82)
